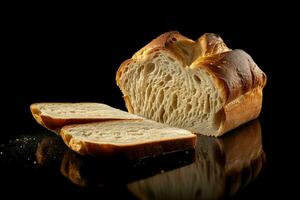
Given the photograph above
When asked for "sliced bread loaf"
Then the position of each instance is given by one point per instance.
(201, 85)
(56, 115)
(129, 138)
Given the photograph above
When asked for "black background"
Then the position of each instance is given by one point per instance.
(71, 53)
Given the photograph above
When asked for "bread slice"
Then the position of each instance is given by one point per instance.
(126, 138)
(201, 85)
(56, 115)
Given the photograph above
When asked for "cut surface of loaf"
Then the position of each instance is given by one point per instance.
(129, 138)
(201, 85)
(56, 115)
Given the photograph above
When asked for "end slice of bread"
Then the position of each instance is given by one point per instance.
(126, 138)
(54, 116)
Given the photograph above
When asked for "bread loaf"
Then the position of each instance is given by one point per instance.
(201, 85)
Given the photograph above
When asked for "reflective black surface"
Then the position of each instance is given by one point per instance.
(218, 168)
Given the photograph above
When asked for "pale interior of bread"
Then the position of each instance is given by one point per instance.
(124, 132)
(81, 111)
(165, 91)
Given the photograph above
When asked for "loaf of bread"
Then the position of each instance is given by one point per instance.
(132, 139)
(201, 85)
(54, 116)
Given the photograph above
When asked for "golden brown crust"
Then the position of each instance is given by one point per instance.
(241, 110)
(237, 77)
(172, 40)
(236, 71)
(129, 151)
(128, 104)
(210, 44)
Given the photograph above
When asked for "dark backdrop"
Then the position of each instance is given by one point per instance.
(71, 53)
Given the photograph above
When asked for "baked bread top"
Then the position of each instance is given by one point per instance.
(201, 85)
(235, 70)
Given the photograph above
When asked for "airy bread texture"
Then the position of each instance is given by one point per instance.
(56, 115)
(201, 85)
(129, 138)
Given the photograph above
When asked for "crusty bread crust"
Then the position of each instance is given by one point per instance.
(241, 110)
(235, 74)
(128, 151)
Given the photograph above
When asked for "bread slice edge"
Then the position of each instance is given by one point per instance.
(129, 150)
(55, 124)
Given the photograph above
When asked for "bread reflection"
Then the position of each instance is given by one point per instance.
(223, 166)
(219, 167)
(71, 168)
(50, 151)
(103, 172)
